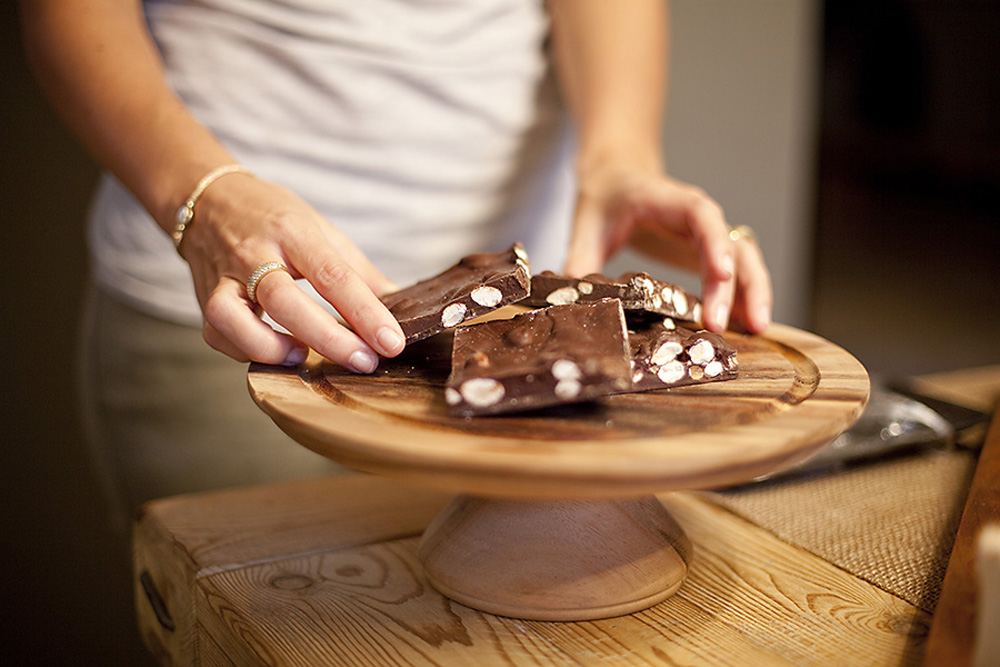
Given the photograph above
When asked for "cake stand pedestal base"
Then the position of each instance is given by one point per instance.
(555, 560)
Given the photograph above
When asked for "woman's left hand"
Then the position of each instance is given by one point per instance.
(676, 223)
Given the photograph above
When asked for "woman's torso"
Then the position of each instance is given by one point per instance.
(424, 129)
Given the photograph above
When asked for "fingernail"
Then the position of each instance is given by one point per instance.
(363, 361)
(390, 341)
(722, 315)
(296, 356)
(763, 317)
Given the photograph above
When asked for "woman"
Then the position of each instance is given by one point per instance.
(356, 146)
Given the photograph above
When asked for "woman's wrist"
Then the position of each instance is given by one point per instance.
(607, 151)
(184, 215)
(167, 180)
(597, 166)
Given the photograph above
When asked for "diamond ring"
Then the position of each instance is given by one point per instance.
(259, 273)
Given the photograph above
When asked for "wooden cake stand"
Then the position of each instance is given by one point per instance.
(555, 517)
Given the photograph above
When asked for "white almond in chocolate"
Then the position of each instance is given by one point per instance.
(486, 295)
(666, 352)
(562, 296)
(680, 302)
(453, 315)
(521, 253)
(564, 369)
(568, 389)
(482, 392)
(645, 285)
(671, 372)
(701, 352)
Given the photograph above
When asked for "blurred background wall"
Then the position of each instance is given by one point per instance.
(860, 140)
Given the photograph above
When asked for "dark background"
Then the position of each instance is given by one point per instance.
(907, 252)
(906, 268)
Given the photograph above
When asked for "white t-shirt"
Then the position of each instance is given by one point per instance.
(423, 129)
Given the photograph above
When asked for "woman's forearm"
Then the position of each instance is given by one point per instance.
(100, 68)
(612, 63)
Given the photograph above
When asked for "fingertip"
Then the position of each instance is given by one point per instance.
(362, 361)
(717, 305)
(721, 316)
(296, 356)
(760, 318)
(390, 341)
(716, 318)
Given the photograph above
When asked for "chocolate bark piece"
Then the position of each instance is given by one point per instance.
(638, 292)
(476, 285)
(550, 356)
(667, 355)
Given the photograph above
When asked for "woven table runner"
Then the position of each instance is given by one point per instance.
(891, 523)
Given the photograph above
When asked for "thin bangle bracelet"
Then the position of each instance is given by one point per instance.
(185, 214)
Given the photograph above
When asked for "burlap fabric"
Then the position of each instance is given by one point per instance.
(891, 523)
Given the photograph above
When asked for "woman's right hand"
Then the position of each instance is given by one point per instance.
(241, 222)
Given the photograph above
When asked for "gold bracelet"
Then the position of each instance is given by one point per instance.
(185, 214)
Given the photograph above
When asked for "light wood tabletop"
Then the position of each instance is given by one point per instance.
(326, 572)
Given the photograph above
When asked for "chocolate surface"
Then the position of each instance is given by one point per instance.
(550, 356)
(666, 355)
(638, 292)
(476, 285)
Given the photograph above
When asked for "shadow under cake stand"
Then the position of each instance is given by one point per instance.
(555, 517)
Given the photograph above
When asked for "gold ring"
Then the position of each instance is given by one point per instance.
(259, 273)
(742, 232)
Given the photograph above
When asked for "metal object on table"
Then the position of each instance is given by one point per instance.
(895, 422)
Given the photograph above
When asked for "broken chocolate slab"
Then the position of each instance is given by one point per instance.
(638, 292)
(667, 355)
(476, 285)
(550, 356)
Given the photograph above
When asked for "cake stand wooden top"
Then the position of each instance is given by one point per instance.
(796, 392)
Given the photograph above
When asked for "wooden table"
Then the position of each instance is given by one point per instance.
(326, 572)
